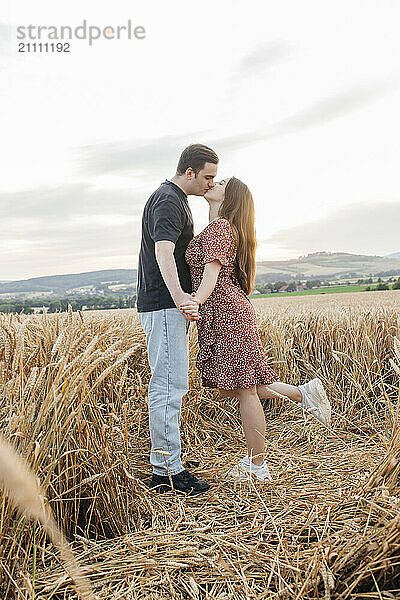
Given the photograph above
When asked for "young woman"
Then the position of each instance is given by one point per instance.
(231, 357)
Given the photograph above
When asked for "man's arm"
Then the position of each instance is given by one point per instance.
(164, 251)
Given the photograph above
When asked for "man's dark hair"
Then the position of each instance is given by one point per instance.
(196, 156)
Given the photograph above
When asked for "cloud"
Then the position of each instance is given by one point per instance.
(361, 227)
(318, 113)
(260, 59)
(42, 248)
(333, 107)
(77, 226)
(58, 203)
(146, 159)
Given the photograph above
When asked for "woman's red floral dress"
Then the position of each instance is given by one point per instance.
(231, 354)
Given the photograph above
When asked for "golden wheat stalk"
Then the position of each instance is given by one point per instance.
(20, 484)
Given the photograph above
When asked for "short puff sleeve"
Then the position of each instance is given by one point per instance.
(216, 241)
(166, 221)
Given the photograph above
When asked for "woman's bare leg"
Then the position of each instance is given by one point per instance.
(291, 391)
(263, 391)
(253, 422)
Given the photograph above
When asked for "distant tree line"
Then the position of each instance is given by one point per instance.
(60, 304)
(290, 286)
(266, 287)
(380, 286)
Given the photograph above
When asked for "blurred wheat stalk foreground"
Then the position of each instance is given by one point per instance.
(73, 402)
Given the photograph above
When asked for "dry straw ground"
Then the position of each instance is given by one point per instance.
(73, 403)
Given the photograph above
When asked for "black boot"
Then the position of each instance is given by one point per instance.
(183, 482)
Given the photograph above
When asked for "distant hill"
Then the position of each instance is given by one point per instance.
(334, 265)
(58, 284)
(393, 255)
(320, 265)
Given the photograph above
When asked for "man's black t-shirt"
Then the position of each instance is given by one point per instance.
(166, 216)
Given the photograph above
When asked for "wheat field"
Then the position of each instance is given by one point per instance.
(73, 402)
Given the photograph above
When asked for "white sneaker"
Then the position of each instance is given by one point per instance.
(244, 471)
(315, 401)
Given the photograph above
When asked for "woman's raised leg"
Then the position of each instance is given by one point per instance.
(312, 396)
(264, 391)
(291, 391)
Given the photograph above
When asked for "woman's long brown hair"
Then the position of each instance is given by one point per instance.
(238, 208)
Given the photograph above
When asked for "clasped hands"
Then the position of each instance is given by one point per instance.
(189, 307)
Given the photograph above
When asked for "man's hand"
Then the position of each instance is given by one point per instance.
(189, 307)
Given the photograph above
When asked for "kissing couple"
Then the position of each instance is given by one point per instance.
(206, 279)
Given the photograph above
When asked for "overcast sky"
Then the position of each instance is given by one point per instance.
(299, 99)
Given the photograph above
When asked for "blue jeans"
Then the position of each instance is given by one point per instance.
(167, 343)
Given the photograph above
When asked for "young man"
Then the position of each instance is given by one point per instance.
(163, 284)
